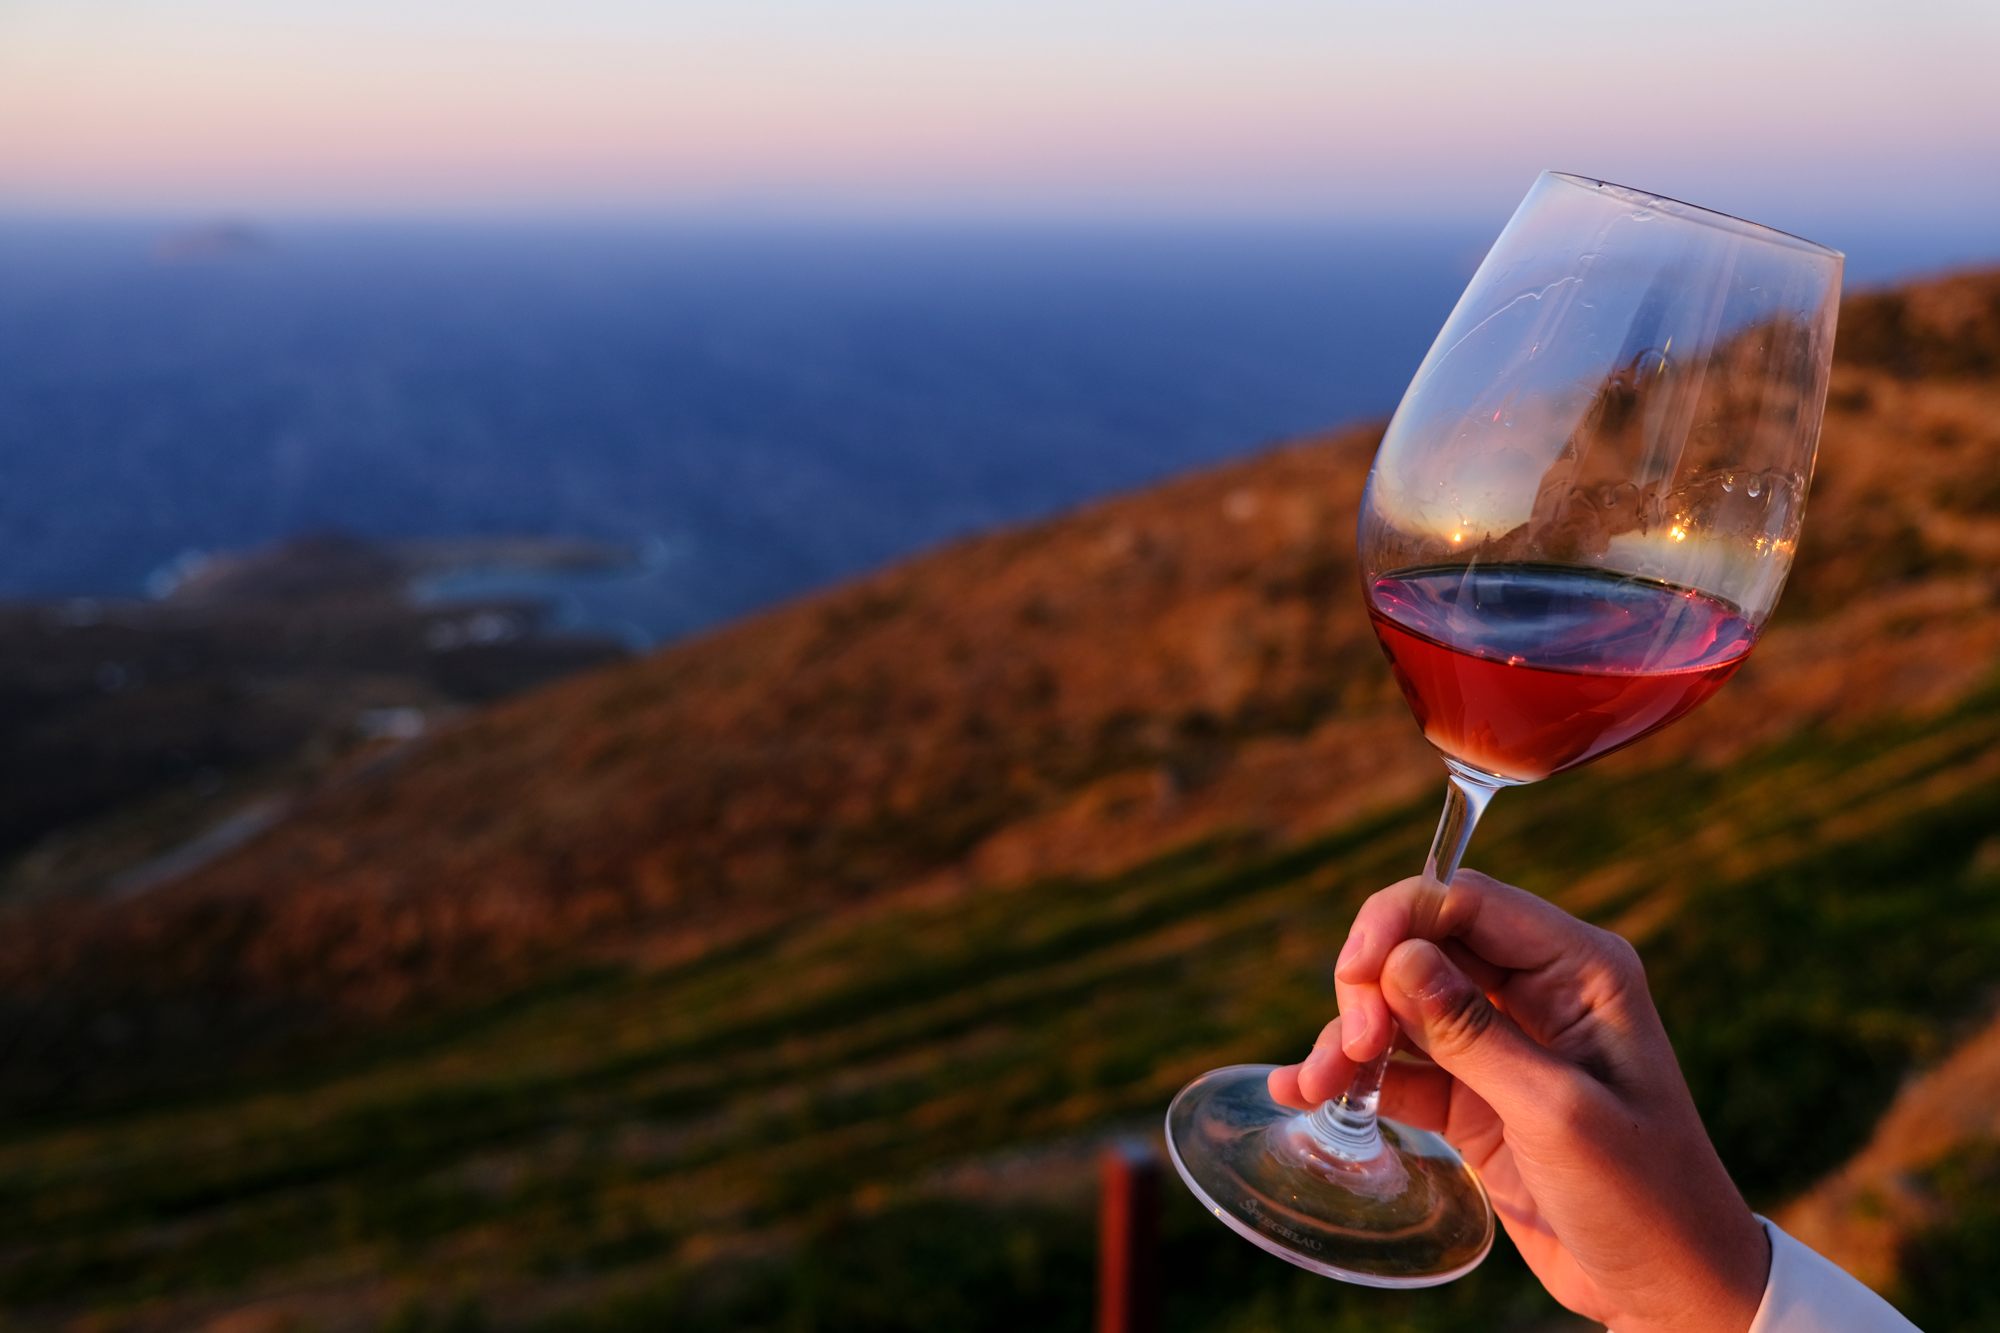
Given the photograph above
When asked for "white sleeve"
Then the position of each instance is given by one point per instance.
(1809, 1293)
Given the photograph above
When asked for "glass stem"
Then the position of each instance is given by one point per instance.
(1346, 1125)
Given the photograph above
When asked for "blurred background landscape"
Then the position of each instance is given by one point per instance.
(657, 663)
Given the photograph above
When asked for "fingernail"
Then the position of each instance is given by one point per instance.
(1318, 1073)
(1355, 1033)
(1421, 971)
(1347, 955)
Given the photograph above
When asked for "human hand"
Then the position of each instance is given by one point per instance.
(1551, 1073)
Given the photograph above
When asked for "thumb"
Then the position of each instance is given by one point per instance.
(1458, 1027)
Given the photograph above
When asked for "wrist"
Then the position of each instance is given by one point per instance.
(1713, 1283)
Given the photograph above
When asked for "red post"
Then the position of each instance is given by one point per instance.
(1128, 1240)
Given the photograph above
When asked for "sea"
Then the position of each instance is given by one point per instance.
(743, 413)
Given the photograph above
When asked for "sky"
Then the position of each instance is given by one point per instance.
(1787, 112)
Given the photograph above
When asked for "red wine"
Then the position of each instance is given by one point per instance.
(1527, 670)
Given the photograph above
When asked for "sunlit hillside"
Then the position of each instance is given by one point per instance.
(785, 979)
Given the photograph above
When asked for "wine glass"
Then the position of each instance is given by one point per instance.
(1577, 524)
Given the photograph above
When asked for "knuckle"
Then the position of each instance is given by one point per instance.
(1620, 958)
(1568, 1108)
(1385, 900)
(1458, 1019)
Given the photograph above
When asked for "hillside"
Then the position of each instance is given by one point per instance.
(1925, 1183)
(776, 978)
(1158, 668)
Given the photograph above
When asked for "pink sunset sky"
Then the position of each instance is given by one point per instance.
(1787, 112)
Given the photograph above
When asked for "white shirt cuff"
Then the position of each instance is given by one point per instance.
(1808, 1293)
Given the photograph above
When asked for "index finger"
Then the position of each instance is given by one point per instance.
(1508, 927)
(1504, 928)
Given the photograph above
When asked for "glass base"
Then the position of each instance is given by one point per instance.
(1410, 1215)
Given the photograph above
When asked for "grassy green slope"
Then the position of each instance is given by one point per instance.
(744, 1142)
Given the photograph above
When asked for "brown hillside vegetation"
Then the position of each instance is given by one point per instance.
(789, 978)
(1145, 669)
(1070, 697)
(1863, 1216)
